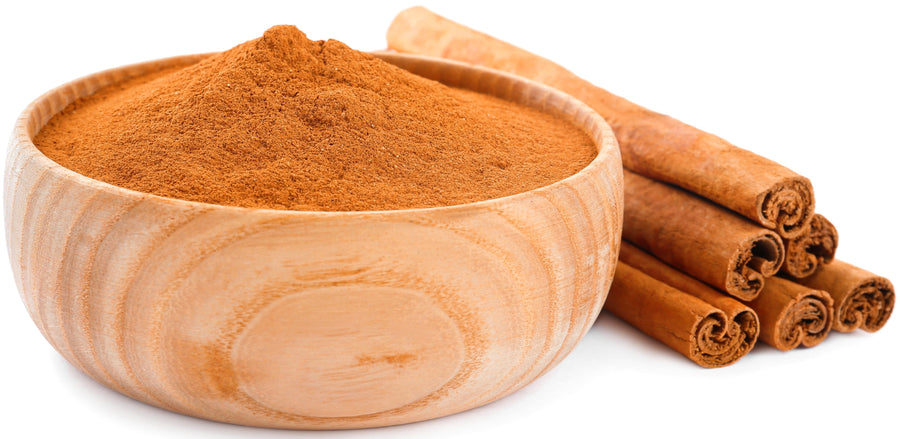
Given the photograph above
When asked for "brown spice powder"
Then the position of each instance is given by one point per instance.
(284, 122)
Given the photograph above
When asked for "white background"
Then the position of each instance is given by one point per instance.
(813, 85)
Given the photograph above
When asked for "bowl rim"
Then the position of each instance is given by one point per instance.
(23, 142)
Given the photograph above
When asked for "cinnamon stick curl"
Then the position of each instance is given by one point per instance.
(709, 336)
(807, 252)
(723, 337)
(862, 300)
(791, 315)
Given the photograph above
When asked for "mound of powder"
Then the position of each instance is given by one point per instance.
(283, 122)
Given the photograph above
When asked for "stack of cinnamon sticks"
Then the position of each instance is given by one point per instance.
(721, 247)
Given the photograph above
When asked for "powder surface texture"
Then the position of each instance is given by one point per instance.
(284, 122)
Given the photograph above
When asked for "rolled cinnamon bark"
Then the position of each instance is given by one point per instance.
(700, 238)
(805, 253)
(696, 329)
(732, 337)
(652, 144)
(862, 300)
(791, 314)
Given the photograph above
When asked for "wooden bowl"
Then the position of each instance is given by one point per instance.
(312, 320)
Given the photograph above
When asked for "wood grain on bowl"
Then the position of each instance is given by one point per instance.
(312, 320)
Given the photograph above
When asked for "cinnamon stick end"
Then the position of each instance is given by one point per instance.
(718, 341)
(756, 259)
(807, 321)
(868, 306)
(787, 207)
(806, 253)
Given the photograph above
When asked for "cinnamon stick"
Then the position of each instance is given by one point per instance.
(791, 314)
(698, 330)
(807, 252)
(700, 238)
(862, 300)
(652, 144)
(729, 338)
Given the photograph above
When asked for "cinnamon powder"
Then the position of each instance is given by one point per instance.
(284, 122)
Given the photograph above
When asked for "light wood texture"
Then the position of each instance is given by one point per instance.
(312, 320)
